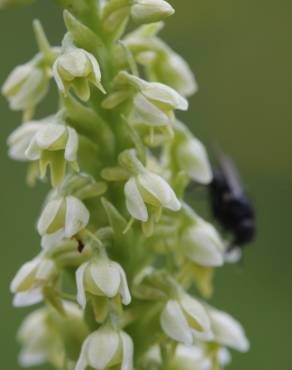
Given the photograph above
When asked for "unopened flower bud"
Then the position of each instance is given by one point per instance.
(101, 277)
(106, 348)
(26, 86)
(67, 215)
(76, 68)
(193, 159)
(202, 244)
(149, 11)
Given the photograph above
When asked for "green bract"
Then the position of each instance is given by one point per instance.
(121, 249)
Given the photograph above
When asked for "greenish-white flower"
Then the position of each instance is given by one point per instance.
(186, 153)
(101, 277)
(26, 86)
(75, 68)
(20, 140)
(31, 277)
(153, 102)
(66, 215)
(202, 244)
(149, 189)
(106, 348)
(197, 358)
(54, 144)
(182, 318)
(227, 331)
(44, 334)
(149, 11)
(161, 62)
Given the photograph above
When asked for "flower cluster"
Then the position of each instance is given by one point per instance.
(121, 249)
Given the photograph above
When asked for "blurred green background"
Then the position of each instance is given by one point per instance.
(241, 52)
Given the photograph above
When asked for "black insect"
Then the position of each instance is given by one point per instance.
(230, 204)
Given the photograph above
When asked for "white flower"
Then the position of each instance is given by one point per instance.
(42, 335)
(67, 215)
(174, 71)
(149, 11)
(151, 189)
(101, 277)
(182, 318)
(106, 348)
(153, 102)
(227, 331)
(196, 358)
(162, 64)
(26, 86)
(76, 68)
(30, 278)
(201, 243)
(20, 139)
(192, 158)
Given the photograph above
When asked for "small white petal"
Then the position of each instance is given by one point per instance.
(23, 274)
(95, 66)
(48, 215)
(228, 331)
(46, 269)
(74, 62)
(127, 344)
(33, 151)
(106, 276)
(165, 95)
(82, 360)
(149, 11)
(81, 296)
(146, 113)
(160, 190)
(174, 324)
(57, 77)
(102, 347)
(124, 289)
(20, 140)
(50, 241)
(199, 244)
(77, 216)
(134, 201)
(28, 298)
(49, 134)
(192, 157)
(72, 145)
(197, 313)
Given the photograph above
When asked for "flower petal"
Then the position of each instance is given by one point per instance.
(228, 331)
(81, 295)
(102, 347)
(196, 313)
(48, 215)
(160, 190)
(124, 289)
(174, 324)
(77, 216)
(134, 201)
(106, 276)
(31, 297)
(71, 148)
(127, 344)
